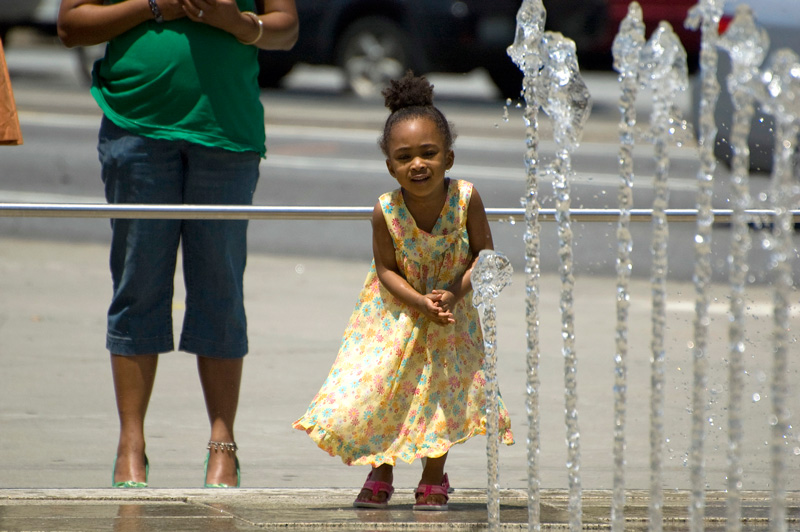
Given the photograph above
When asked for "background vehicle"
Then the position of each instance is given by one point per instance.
(40, 14)
(377, 40)
(654, 11)
(781, 19)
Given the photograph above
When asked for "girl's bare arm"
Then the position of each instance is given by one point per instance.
(480, 238)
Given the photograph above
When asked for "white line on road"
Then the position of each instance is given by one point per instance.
(464, 171)
(472, 172)
(751, 309)
(280, 131)
(15, 196)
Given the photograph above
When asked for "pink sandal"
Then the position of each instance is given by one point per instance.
(431, 489)
(376, 486)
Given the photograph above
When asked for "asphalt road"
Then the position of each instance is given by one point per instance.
(322, 151)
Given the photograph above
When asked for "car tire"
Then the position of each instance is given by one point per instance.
(371, 52)
(273, 67)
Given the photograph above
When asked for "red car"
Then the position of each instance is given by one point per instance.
(654, 11)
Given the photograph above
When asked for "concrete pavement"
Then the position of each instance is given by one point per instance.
(326, 509)
(59, 422)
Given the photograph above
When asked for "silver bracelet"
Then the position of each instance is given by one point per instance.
(156, 11)
(222, 446)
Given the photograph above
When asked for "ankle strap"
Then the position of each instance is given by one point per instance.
(222, 446)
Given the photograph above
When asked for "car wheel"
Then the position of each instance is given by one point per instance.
(273, 67)
(372, 51)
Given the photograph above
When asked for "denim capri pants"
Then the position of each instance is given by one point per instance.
(137, 169)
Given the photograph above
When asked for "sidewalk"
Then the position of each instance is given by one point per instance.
(59, 421)
(304, 509)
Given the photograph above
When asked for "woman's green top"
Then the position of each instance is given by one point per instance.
(183, 80)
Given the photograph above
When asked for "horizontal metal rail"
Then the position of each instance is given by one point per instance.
(255, 212)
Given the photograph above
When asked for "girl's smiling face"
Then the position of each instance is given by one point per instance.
(417, 157)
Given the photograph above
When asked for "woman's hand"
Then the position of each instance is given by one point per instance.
(171, 9)
(222, 14)
(274, 29)
(89, 22)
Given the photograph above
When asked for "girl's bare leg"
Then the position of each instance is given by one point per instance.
(433, 473)
(221, 380)
(382, 473)
(133, 384)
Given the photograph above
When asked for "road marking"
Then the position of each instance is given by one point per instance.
(751, 309)
(319, 133)
(59, 119)
(464, 171)
(14, 196)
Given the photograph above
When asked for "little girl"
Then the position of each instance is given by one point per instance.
(408, 381)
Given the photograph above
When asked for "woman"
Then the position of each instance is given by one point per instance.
(183, 124)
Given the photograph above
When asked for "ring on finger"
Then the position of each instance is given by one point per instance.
(200, 14)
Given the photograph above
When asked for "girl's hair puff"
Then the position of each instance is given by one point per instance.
(412, 97)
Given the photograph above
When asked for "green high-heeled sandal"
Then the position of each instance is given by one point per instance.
(222, 446)
(130, 483)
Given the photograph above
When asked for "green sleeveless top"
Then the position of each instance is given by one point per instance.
(183, 80)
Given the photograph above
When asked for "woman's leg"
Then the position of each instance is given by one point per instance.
(433, 473)
(133, 384)
(214, 260)
(221, 380)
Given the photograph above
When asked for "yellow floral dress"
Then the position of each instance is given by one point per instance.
(402, 386)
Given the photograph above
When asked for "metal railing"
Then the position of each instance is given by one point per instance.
(257, 212)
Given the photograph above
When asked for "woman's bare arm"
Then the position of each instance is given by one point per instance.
(88, 22)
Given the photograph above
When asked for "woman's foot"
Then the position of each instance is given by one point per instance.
(377, 489)
(222, 469)
(130, 470)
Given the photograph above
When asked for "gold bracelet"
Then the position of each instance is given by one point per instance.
(260, 25)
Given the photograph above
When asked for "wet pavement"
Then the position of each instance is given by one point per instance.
(323, 509)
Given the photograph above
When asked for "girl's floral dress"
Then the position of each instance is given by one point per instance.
(402, 386)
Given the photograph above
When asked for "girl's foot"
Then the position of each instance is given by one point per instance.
(432, 494)
(377, 489)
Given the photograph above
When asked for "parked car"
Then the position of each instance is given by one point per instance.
(39, 14)
(781, 20)
(377, 40)
(653, 12)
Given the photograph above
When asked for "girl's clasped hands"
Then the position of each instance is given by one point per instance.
(438, 306)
